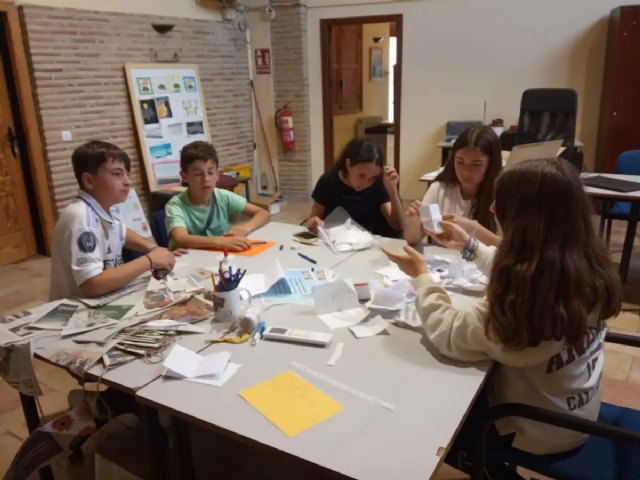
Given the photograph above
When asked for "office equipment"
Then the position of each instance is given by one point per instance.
(550, 114)
(297, 336)
(454, 128)
(607, 183)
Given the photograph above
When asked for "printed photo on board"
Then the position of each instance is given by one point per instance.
(149, 113)
(160, 84)
(189, 84)
(144, 86)
(195, 128)
(163, 107)
(160, 151)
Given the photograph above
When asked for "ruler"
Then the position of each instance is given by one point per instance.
(364, 396)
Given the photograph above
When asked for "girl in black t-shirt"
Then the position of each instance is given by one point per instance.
(364, 186)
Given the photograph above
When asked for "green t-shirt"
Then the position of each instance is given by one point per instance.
(180, 212)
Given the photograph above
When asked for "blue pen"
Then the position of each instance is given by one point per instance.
(257, 335)
(308, 259)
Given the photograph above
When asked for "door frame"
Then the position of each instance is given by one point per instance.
(10, 17)
(327, 118)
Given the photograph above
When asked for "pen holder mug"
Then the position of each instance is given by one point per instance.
(229, 305)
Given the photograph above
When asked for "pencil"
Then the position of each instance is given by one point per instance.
(308, 259)
(258, 243)
(213, 281)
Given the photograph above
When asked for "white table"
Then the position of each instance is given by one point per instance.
(631, 197)
(365, 441)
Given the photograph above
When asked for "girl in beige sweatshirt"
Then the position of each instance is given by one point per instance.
(551, 289)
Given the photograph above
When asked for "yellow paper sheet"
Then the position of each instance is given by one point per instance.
(291, 403)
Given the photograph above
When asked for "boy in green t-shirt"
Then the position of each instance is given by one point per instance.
(199, 217)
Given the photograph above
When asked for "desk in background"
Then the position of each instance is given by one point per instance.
(446, 146)
(634, 199)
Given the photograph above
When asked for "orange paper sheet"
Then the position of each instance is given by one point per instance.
(254, 250)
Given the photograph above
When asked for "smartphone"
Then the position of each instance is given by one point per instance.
(306, 235)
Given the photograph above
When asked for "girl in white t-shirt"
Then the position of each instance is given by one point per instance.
(464, 188)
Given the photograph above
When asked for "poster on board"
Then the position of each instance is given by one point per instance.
(169, 112)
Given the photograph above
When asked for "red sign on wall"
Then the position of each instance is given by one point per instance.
(263, 60)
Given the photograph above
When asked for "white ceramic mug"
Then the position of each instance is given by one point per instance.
(229, 305)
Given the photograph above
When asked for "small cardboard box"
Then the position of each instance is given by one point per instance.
(430, 217)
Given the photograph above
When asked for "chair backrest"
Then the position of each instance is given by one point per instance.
(508, 140)
(628, 163)
(548, 114)
(159, 228)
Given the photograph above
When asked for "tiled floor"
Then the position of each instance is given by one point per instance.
(27, 283)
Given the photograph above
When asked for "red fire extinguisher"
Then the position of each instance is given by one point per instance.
(284, 122)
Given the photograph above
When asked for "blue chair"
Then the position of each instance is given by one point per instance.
(159, 228)
(628, 163)
(612, 451)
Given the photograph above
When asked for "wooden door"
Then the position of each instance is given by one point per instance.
(17, 239)
(346, 69)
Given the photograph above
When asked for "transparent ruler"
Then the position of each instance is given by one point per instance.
(364, 396)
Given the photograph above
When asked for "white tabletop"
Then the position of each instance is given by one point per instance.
(431, 395)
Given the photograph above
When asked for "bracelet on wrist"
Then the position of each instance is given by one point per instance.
(470, 250)
(150, 261)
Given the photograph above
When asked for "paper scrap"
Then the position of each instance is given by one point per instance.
(333, 297)
(166, 324)
(291, 403)
(387, 299)
(230, 371)
(370, 328)
(345, 318)
(392, 272)
(185, 363)
(336, 354)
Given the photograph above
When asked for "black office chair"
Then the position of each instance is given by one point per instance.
(550, 114)
(612, 452)
(508, 140)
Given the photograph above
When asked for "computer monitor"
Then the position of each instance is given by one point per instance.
(455, 128)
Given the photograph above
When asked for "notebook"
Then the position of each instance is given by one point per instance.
(608, 183)
(534, 151)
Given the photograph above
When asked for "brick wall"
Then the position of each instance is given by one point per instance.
(77, 60)
(291, 85)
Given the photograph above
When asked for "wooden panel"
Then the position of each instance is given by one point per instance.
(619, 128)
(345, 58)
(30, 122)
(17, 239)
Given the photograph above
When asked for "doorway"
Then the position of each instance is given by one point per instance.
(361, 83)
(26, 211)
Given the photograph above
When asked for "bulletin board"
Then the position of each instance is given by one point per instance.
(169, 112)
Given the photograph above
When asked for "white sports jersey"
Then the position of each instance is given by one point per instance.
(86, 241)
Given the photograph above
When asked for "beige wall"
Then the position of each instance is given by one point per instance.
(172, 8)
(459, 54)
(375, 93)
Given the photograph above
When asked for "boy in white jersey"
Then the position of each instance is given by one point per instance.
(86, 258)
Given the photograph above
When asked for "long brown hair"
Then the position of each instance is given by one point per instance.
(484, 139)
(550, 270)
